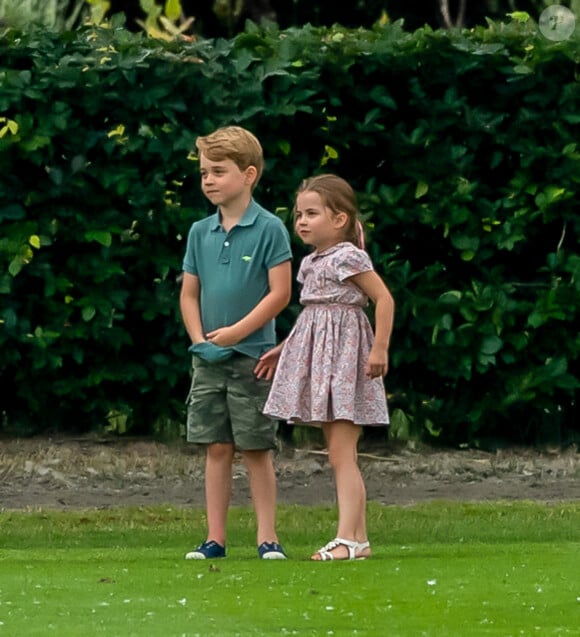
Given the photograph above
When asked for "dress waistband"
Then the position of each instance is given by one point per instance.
(350, 306)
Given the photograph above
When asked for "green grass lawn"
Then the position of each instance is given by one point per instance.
(437, 569)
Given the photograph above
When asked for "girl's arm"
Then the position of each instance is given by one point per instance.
(266, 365)
(373, 286)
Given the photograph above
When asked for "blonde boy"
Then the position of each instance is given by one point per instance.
(237, 279)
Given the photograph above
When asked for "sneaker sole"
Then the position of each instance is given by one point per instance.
(195, 556)
(274, 555)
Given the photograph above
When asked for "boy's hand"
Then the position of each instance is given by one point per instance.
(223, 336)
(377, 364)
(266, 365)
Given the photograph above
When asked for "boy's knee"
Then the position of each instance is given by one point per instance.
(220, 451)
(258, 459)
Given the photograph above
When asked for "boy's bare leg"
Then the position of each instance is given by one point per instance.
(218, 489)
(262, 478)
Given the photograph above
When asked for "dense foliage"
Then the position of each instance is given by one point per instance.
(463, 147)
(221, 18)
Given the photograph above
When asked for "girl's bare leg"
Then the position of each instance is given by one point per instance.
(342, 438)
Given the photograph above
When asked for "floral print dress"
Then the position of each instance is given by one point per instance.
(320, 376)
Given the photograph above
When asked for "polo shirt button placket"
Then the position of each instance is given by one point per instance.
(225, 257)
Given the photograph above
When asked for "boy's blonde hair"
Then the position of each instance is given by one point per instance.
(235, 143)
(339, 196)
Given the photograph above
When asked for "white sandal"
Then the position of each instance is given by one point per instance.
(352, 546)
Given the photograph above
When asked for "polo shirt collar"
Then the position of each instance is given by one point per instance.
(248, 218)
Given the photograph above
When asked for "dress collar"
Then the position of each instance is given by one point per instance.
(331, 250)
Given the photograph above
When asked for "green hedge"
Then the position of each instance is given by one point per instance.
(463, 147)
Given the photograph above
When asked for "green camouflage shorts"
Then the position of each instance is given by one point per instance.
(225, 404)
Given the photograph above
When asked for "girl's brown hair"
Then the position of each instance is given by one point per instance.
(338, 195)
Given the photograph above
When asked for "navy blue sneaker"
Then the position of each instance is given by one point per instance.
(207, 551)
(271, 551)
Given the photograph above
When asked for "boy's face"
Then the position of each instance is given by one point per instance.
(223, 182)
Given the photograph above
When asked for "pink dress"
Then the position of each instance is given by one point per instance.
(320, 376)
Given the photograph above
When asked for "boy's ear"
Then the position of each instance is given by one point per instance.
(251, 174)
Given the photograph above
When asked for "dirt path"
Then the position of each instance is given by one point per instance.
(90, 473)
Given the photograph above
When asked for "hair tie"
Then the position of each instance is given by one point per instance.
(361, 234)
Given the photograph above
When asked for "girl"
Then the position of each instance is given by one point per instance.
(329, 371)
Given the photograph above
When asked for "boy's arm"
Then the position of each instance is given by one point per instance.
(280, 284)
(373, 286)
(189, 305)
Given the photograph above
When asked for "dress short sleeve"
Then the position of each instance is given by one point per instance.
(350, 261)
(305, 266)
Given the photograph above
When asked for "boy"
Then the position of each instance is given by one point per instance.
(237, 279)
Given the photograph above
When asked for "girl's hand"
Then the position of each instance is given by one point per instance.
(377, 363)
(266, 365)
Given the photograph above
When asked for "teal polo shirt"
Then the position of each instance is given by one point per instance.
(232, 268)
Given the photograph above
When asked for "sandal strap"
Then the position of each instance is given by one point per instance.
(330, 545)
(351, 545)
(325, 556)
(357, 546)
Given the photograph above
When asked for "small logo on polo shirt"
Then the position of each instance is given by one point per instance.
(246, 258)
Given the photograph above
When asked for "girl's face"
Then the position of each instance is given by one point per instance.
(316, 224)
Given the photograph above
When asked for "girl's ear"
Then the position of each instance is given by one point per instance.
(340, 219)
